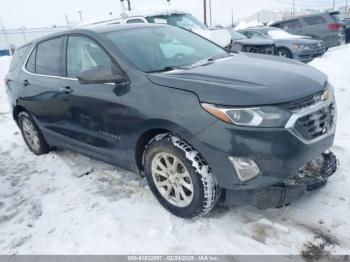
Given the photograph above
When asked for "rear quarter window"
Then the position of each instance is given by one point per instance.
(30, 66)
(291, 25)
(315, 20)
(19, 57)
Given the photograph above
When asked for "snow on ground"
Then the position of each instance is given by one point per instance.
(47, 207)
(4, 67)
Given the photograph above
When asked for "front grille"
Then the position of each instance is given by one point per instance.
(317, 123)
(303, 102)
(266, 50)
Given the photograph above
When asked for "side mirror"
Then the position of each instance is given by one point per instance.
(100, 75)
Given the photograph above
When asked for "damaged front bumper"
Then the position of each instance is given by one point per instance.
(312, 176)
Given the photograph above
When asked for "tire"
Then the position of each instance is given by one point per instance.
(284, 52)
(32, 135)
(188, 188)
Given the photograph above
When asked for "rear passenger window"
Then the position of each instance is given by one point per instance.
(135, 21)
(84, 54)
(291, 25)
(48, 57)
(31, 62)
(315, 20)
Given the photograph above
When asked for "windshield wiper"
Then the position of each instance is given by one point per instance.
(207, 61)
(166, 69)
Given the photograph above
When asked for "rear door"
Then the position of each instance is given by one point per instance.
(40, 79)
(317, 27)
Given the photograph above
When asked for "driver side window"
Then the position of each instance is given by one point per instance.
(84, 54)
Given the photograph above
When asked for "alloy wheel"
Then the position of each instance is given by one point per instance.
(172, 179)
(31, 134)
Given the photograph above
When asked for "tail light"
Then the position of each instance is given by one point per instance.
(335, 26)
(6, 81)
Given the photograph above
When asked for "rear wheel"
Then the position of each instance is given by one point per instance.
(283, 52)
(32, 135)
(179, 177)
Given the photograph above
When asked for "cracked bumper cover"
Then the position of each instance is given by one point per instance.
(312, 176)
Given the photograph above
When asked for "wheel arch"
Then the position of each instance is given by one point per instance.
(285, 48)
(144, 134)
(16, 111)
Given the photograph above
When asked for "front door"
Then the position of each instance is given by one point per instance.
(94, 109)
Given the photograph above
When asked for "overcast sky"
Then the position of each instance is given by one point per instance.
(38, 13)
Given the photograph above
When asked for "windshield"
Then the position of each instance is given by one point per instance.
(236, 36)
(157, 48)
(186, 21)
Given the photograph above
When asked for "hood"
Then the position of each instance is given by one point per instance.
(304, 41)
(221, 36)
(253, 41)
(246, 80)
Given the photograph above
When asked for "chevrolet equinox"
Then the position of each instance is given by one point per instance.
(203, 125)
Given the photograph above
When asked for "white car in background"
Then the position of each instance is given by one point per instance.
(171, 17)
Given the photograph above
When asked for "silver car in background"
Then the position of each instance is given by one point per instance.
(325, 26)
(297, 47)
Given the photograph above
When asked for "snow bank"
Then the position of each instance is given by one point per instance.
(48, 207)
(4, 67)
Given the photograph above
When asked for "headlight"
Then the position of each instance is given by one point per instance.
(264, 116)
(298, 46)
(328, 93)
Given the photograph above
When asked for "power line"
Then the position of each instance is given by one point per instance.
(310, 5)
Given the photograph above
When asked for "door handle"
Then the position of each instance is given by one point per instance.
(26, 83)
(66, 90)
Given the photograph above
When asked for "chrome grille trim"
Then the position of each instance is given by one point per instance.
(290, 126)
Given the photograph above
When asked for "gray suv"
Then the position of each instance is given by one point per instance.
(200, 123)
(325, 26)
(296, 47)
(347, 29)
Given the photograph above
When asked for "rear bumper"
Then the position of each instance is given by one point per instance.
(312, 177)
(334, 40)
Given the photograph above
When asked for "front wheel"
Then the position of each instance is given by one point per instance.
(283, 52)
(179, 177)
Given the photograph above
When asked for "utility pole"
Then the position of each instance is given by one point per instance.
(293, 7)
(6, 38)
(80, 15)
(67, 19)
(205, 11)
(346, 8)
(210, 14)
(129, 5)
(232, 20)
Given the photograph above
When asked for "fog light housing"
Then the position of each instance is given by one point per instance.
(246, 169)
